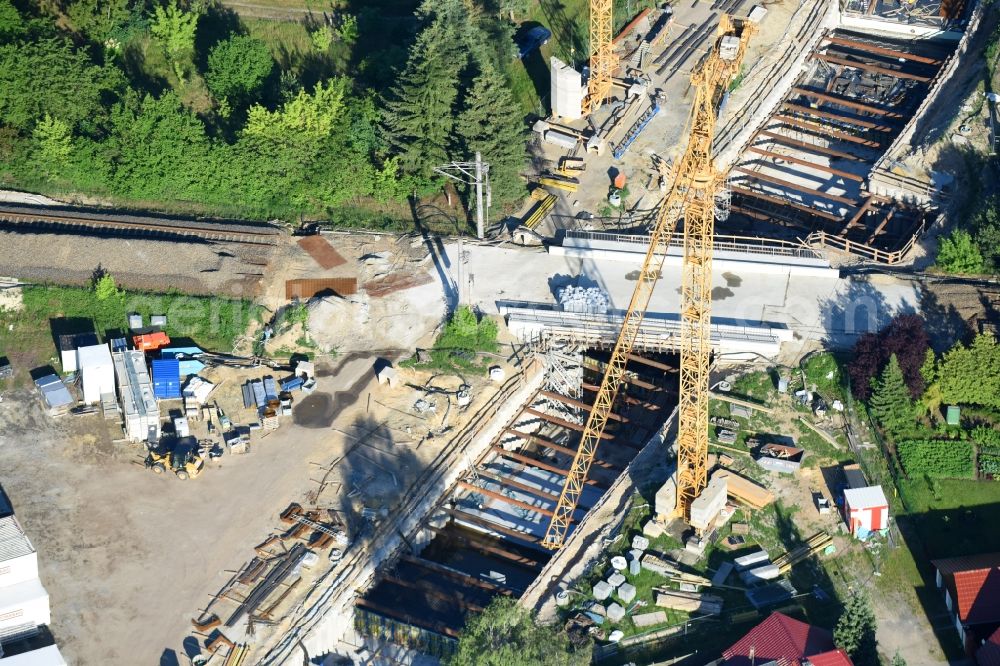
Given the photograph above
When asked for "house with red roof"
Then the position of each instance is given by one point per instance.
(971, 588)
(785, 641)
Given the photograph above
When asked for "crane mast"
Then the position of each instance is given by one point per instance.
(602, 55)
(692, 196)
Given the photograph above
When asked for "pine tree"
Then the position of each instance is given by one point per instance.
(928, 370)
(420, 109)
(897, 660)
(855, 631)
(890, 402)
(489, 124)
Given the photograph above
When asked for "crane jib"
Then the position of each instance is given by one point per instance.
(693, 197)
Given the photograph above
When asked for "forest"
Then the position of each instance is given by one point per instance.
(184, 106)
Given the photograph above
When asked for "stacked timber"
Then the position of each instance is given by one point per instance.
(663, 567)
(688, 602)
(744, 490)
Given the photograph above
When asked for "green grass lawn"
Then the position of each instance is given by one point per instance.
(27, 336)
(952, 516)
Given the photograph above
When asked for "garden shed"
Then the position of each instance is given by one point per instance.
(866, 510)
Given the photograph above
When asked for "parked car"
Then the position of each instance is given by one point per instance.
(531, 39)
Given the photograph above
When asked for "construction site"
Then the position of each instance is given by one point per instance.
(649, 453)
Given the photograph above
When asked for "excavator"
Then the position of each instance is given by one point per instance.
(692, 196)
(184, 461)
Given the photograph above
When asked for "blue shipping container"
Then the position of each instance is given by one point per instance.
(167, 379)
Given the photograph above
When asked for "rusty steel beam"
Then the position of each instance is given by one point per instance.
(806, 163)
(542, 465)
(540, 493)
(539, 441)
(809, 147)
(783, 202)
(795, 186)
(432, 592)
(653, 364)
(555, 420)
(458, 514)
(849, 103)
(397, 614)
(880, 50)
(503, 498)
(868, 67)
(881, 226)
(850, 120)
(824, 131)
(634, 381)
(857, 215)
(459, 576)
(558, 397)
(489, 549)
(626, 398)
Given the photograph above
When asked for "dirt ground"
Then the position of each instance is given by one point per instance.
(129, 558)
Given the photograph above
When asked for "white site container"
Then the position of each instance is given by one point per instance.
(46, 656)
(23, 608)
(18, 559)
(97, 371)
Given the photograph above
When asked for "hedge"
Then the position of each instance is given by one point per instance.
(939, 458)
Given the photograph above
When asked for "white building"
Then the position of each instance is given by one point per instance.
(46, 656)
(18, 560)
(97, 372)
(24, 603)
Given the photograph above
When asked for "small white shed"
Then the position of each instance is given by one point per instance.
(97, 371)
(18, 559)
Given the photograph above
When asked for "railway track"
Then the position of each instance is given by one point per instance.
(81, 221)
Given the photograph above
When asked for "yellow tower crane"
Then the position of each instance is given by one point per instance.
(692, 196)
(602, 55)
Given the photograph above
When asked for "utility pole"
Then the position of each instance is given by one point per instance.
(479, 195)
(473, 173)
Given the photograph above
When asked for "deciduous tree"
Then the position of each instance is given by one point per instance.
(958, 253)
(505, 635)
(237, 68)
(175, 30)
(50, 77)
(54, 139)
(906, 337)
(99, 19)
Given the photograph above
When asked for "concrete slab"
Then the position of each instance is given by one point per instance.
(649, 619)
(616, 613)
(834, 310)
